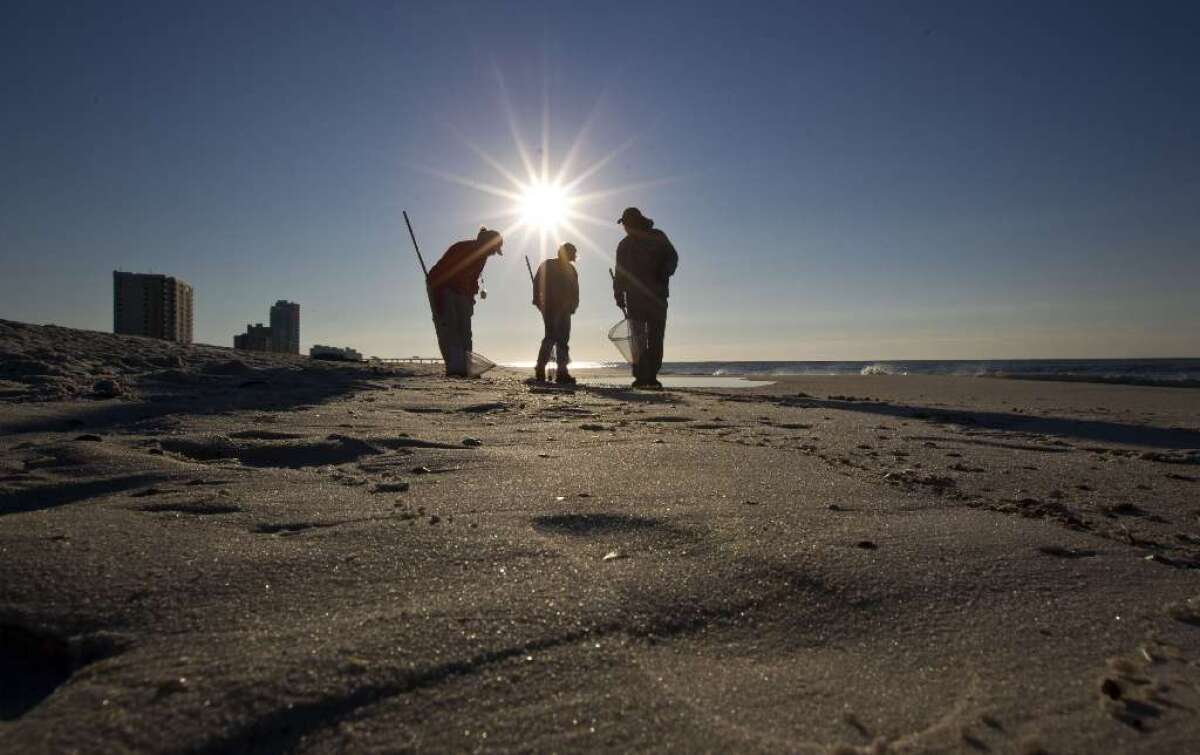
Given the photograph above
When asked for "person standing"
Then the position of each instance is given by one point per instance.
(646, 260)
(453, 283)
(556, 294)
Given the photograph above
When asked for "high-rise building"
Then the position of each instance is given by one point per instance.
(256, 338)
(157, 306)
(285, 327)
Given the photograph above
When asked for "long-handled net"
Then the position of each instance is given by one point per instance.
(622, 336)
(477, 364)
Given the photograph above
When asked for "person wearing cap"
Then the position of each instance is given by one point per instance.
(453, 283)
(556, 294)
(646, 260)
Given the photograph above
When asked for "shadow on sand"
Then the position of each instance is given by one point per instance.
(1080, 429)
(584, 525)
(52, 496)
(270, 390)
(631, 395)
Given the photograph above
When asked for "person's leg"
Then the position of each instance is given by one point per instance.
(547, 344)
(466, 313)
(637, 345)
(440, 329)
(656, 329)
(562, 348)
(458, 336)
(443, 325)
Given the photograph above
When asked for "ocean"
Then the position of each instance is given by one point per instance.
(1174, 372)
(1167, 372)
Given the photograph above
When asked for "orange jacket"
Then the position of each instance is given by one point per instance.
(459, 268)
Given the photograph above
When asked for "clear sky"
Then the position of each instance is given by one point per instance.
(842, 180)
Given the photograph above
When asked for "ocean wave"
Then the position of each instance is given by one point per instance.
(882, 369)
(1174, 372)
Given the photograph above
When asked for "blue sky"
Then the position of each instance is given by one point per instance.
(842, 180)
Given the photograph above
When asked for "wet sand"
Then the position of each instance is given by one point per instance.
(228, 552)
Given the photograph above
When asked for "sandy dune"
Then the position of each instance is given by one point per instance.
(228, 552)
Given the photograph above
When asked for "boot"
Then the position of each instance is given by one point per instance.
(539, 373)
(564, 378)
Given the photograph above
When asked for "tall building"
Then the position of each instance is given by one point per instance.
(285, 327)
(157, 306)
(256, 338)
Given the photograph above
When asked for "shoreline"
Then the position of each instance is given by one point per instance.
(606, 371)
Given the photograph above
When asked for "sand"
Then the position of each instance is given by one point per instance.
(231, 553)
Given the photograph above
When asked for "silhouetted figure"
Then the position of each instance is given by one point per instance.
(645, 263)
(556, 294)
(453, 283)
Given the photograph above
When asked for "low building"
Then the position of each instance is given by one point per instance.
(156, 306)
(335, 353)
(256, 338)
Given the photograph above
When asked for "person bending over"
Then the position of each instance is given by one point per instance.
(453, 283)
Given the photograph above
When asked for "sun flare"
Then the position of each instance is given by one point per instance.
(545, 206)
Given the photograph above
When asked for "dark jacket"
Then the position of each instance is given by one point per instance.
(459, 268)
(646, 261)
(556, 287)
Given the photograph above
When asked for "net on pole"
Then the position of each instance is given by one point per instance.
(477, 364)
(621, 336)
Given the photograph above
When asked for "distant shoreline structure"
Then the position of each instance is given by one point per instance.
(335, 353)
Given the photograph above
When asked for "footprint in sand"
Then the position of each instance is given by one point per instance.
(284, 529)
(265, 435)
(1059, 551)
(197, 508)
(291, 454)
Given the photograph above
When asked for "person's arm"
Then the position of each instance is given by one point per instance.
(474, 273)
(539, 286)
(574, 289)
(670, 259)
(620, 283)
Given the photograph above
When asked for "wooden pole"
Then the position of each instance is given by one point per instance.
(613, 275)
(413, 236)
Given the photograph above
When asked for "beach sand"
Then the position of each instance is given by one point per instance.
(211, 551)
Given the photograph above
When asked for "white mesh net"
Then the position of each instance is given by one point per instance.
(621, 336)
(477, 364)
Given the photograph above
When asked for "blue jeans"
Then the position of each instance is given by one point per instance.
(647, 344)
(558, 334)
(452, 320)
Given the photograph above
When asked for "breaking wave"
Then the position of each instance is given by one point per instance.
(1169, 372)
(882, 369)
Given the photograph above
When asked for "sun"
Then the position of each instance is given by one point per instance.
(545, 206)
